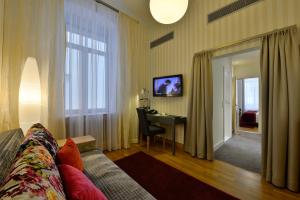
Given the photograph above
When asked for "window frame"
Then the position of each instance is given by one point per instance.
(244, 92)
(85, 51)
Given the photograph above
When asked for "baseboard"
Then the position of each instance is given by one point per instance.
(178, 145)
(168, 142)
(134, 141)
(218, 145)
(227, 138)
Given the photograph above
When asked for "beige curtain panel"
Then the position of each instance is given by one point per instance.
(199, 137)
(281, 109)
(34, 29)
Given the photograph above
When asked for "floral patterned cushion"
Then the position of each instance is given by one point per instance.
(41, 134)
(34, 175)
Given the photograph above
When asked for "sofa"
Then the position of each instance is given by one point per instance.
(102, 172)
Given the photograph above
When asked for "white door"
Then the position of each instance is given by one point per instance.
(222, 110)
(218, 129)
(227, 99)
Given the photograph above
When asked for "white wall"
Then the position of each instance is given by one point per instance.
(248, 70)
(193, 34)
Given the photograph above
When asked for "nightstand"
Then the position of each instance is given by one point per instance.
(84, 143)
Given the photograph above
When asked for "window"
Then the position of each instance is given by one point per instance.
(85, 75)
(251, 94)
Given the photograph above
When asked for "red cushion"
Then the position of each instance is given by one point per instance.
(69, 154)
(77, 186)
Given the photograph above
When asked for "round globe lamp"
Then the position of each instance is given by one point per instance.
(168, 11)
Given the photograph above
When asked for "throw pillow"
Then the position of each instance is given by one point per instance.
(40, 133)
(69, 154)
(77, 186)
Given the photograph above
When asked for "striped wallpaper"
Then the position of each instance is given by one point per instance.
(1, 27)
(193, 34)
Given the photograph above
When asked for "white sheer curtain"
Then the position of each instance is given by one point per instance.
(92, 71)
(251, 94)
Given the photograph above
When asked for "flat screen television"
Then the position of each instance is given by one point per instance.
(168, 86)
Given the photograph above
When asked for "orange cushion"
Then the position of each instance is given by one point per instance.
(69, 154)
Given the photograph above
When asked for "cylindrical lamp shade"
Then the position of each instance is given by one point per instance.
(168, 11)
(29, 95)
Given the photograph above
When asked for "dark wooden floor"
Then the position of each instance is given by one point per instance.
(230, 179)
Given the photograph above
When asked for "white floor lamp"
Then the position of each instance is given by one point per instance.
(29, 95)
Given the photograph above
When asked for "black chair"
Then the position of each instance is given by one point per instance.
(147, 129)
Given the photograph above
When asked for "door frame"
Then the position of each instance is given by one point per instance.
(230, 55)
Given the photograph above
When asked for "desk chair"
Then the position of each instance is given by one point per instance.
(148, 129)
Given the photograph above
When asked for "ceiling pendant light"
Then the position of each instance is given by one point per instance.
(168, 11)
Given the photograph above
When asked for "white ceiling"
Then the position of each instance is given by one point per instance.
(138, 9)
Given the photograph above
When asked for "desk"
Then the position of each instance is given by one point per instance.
(170, 120)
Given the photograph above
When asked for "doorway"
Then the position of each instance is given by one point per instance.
(247, 105)
(236, 105)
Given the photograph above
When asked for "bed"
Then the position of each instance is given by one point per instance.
(249, 119)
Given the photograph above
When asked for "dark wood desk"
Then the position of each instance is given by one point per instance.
(170, 120)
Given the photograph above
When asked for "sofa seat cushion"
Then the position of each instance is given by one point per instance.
(34, 175)
(110, 179)
(9, 143)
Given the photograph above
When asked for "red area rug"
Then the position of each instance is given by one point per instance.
(165, 182)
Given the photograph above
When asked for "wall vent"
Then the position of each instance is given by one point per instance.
(162, 40)
(226, 10)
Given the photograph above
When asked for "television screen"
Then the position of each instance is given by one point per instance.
(168, 86)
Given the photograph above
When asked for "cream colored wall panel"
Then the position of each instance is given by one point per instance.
(194, 34)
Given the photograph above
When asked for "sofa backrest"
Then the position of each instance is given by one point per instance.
(33, 173)
(9, 146)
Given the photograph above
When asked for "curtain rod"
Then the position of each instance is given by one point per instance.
(224, 46)
(107, 5)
